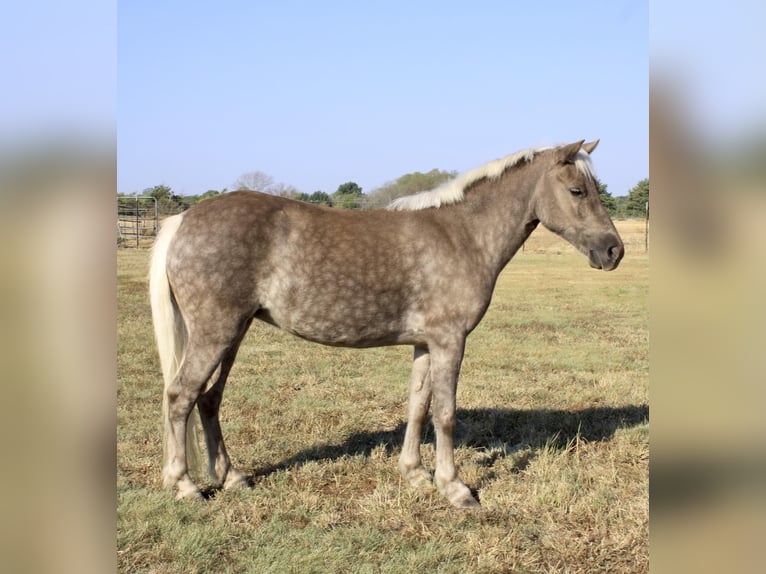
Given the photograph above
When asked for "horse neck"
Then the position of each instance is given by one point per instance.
(497, 216)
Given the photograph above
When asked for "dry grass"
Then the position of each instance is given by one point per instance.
(552, 434)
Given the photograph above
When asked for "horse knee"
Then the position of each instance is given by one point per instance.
(444, 421)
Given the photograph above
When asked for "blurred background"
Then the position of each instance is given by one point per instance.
(708, 286)
(57, 286)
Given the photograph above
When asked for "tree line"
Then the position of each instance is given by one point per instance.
(350, 195)
(635, 204)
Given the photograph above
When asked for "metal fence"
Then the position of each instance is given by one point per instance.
(137, 220)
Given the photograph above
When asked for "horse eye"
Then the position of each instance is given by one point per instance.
(575, 191)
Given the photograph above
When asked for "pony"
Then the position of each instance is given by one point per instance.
(420, 272)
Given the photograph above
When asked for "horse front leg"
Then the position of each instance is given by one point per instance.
(445, 368)
(410, 463)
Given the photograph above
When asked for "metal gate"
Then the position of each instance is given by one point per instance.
(137, 220)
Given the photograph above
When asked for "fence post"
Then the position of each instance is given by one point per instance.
(646, 229)
(138, 231)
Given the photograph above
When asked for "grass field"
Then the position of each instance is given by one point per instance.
(552, 434)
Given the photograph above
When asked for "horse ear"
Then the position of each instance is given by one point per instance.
(568, 152)
(589, 147)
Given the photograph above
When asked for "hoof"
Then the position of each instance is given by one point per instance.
(459, 495)
(235, 480)
(183, 487)
(188, 492)
(194, 495)
(467, 502)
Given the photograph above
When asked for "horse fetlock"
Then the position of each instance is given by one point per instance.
(219, 470)
(175, 479)
(215, 476)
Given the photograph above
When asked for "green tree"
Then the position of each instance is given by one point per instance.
(417, 181)
(167, 200)
(159, 192)
(635, 204)
(607, 200)
(619, 202)
(209, 193)
(320, 198)
(349, 188)
(317, 198)
(348, 196)
(408, 184)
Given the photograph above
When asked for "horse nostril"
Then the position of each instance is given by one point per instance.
(615, 252)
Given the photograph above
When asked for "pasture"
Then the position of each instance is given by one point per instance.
(552, 435)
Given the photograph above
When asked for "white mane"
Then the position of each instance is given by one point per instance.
(453, 191)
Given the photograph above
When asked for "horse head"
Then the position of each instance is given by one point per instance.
(567, 202)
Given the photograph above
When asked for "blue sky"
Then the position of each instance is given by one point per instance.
(58, 70)
(712, 54)
(319, 93)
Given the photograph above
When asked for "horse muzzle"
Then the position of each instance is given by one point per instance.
(607, 255)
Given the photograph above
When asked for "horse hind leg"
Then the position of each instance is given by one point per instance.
(219, 465)
(182, 394)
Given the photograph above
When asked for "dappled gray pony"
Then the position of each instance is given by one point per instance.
(420, 273)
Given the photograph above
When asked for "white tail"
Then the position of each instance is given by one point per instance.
(169, 333)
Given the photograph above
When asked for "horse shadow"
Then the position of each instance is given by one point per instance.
(497, 432)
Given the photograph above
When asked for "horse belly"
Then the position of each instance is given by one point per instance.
(343, 317)
(351, 332)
